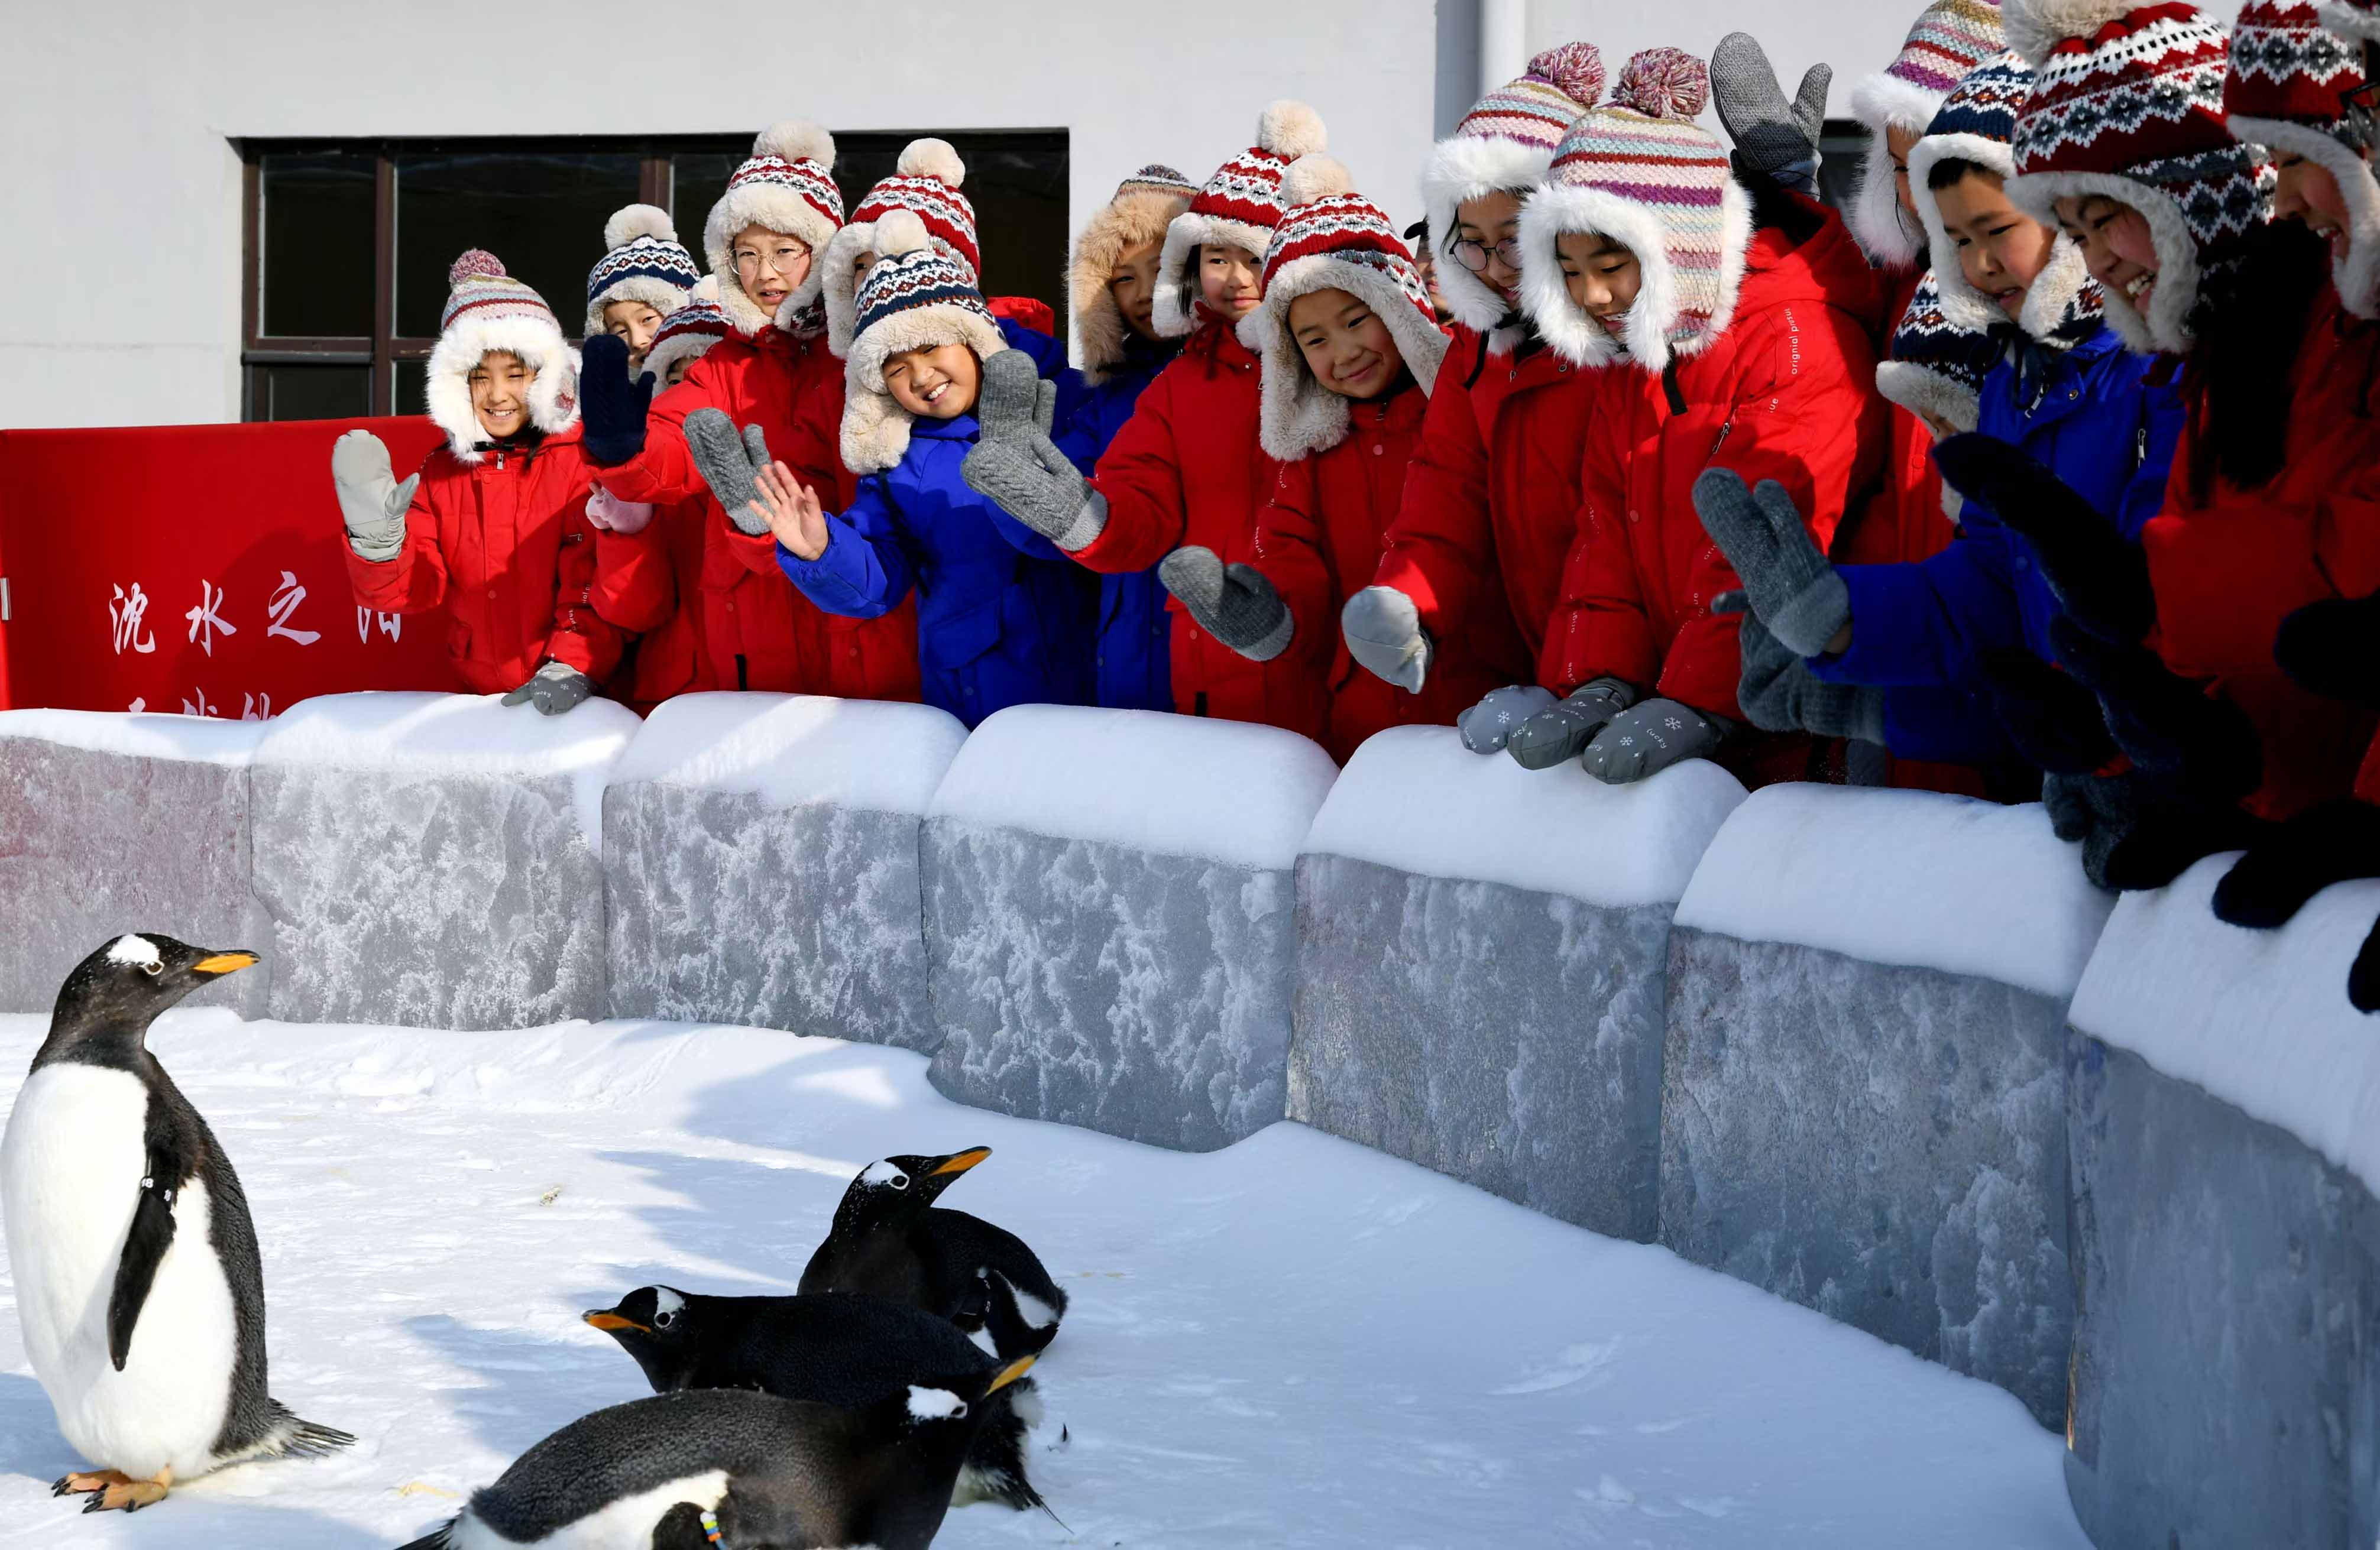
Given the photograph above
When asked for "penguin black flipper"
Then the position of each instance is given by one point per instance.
(144, 1246)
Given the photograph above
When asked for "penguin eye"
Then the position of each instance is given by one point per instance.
(960, 1413)
(153, 970)
(900, 1180)
(665, 1318)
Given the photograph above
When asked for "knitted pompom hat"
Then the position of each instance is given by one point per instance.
(787, 185)
(1937, 366)
(914, 296)
(1334, 238)
(642, 261)
(688, 332)
(1144, 206)
(1641, 171)
(2128, 102)
(2286, 92)
(1503, 145)
(1237, 208)
(1949, 38)
(488, 309)
(925, 180)
(1977, 123)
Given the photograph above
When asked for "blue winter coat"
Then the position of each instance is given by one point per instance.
(2105, 421)
(1003, 617)
(1135, 661)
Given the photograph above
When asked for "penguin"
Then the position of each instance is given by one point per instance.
(837, 1348)
(138, 1279)
(890, 1240)
(787, 1474)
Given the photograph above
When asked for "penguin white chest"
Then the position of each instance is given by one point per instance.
(71, 1173)
(625, 1525)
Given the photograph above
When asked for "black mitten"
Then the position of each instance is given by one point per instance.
(2335, 842)
(2199, 743)
(2102, 580)
(2053, 720)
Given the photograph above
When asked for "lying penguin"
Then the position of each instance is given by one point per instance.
(755, 1469)
(138, 1280)
(834, 1348)
(890, 1240)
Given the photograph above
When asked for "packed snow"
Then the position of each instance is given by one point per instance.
(1292, 1342)
(1905, 878)
(190, 739)
(795, 750)
(1414, 798)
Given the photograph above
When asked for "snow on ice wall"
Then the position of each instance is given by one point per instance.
(1865, 1107)
(760, 864)
(1481, 954)
(1108, 919)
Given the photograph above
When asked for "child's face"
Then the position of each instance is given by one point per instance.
(1602, 277)
(1346, 344)
(770, 265)
(1482, 229)
(2001, 249)
(1132, 282)
(938, 384)
(500, 394)
(634, 322)
(678, 368)
(2307, 192)
(1232, 281)
(1897, 143)
(2116, 244)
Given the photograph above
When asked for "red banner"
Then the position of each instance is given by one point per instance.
(195, 569)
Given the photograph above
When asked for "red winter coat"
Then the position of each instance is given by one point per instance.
(502, 544)
(1187, 469)
(2229, 568)
(1490, 502)
(647, 583)
(1319, 541)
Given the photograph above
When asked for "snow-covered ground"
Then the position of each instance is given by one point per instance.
(1294, 1342)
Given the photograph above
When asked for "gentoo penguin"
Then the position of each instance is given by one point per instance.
(138, 1282)
(837, 1348)
(788, 1475)
(891, 1240)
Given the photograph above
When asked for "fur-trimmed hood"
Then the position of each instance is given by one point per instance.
(1882, 103)
(919, 296)
(787, 185)
(1469, 167)
(2356, 272)
(1123, 223)
(2062, 284)
(1299, 414)
(552, 397)
(1657, 326)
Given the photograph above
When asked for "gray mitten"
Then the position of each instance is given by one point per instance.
(1642, 743)
(1383, 632)
(2067, 799)
(730, 464)
(1030, 478)
(1007, 405)
(557, 688)
(1234, 604)
(1779, 692)
(371, 501)
(1795, 591)
(1489, 724)
(1563, 732)
(1773, 138)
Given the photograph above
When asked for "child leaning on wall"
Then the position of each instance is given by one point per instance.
(493, 527)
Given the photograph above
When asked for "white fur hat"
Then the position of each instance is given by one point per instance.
(787, 186)
(487, 311)
(913, 297)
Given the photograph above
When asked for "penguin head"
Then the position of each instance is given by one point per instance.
(896, 1189)
(119, 990)
(661, 1326)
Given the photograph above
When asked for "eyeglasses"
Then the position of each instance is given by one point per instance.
(1473, 256)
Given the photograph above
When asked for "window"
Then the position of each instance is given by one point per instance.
(347, 243)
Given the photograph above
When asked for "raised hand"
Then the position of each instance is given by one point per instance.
(1383, 632)
(612, 407)
(1773, 138)
(795, 514)
(371, 502)
(1793, 588)
(729, 463)
(1236, 604)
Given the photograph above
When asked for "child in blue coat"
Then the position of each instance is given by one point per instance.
(1002, 617)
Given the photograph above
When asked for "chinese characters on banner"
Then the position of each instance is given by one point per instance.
(127, 609)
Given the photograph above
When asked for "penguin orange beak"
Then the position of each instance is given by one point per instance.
(1011, 1373)
(609, 1322)
(962, 1161)
(218, 965)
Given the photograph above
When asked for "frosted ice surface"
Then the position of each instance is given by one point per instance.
(193, 739)
(790, 750)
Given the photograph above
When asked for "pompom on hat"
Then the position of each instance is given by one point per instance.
(1948, 39)
(489, 310)
(2358, 21)
(2291, 79)
(912, 297)
(688, 332)
(927, 181)
(1145, 205)
(642, 261)
(787, 185)
(1236, 208)
(1504, 144)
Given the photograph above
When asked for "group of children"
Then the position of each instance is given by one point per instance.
(2051, 472)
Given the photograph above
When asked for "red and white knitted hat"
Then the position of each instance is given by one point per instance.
(487, 310)
(2128, 102)
(787, 186)
(1642, 172)
(1237, 208)
(2290, 81)
(1334, 238)
(927, 181)
(1503, 145)
(1948, 39)
(914, 296)
(688, 332)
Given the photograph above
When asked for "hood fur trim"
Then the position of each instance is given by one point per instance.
(2357, 274)
(1301, 416)
(1125, 222)
(2053, 290)
(2164, 329)
(2350, 21)
(1579, 339)
(553, 397)
(1883, 101)
(1466, 167)
(875, 428)
(835, 271)
(779, 210)
(657, 293)
(1923, 392)
(1175, 314)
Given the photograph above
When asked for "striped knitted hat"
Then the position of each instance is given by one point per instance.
(1334, 238)
(925, 180)
(642, 261)
(1977, 123)
(2128, 102)
(787, 185)
(1641, 171)
(2287, 91)
(489, 310)
(1504, 144)
(1144, 206)
(689, 332)
(1951, 38)
(912, 297)
(1237, 208)
(1158, 178)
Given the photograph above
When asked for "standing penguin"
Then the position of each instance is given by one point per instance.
(789, 1474)
(138, 1280)
(890, 1240)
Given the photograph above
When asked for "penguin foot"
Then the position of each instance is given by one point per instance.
(86, 1484)
(132, 1494)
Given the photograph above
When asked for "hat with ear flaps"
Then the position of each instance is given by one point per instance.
(913, 297)
(1236, 208)
(642, 261)
(787, 185)
(1503, 145)
(2287, 90)
(1640, 171)
(1144, 204)
(925, 181)
(1937, 367)
(1334, 238)
(688, 332)
(1948, 39)
(487, 311)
